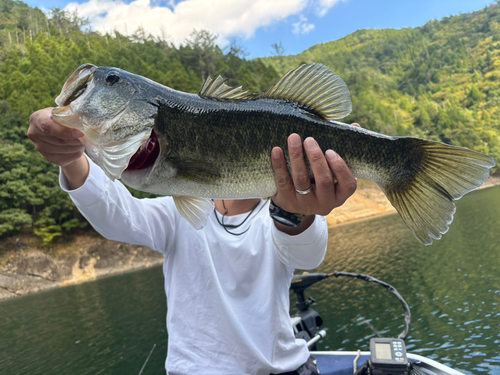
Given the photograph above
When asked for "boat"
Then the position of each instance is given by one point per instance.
(342, 363)
(387, 355)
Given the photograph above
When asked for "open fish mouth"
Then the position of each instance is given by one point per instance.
(78, 85)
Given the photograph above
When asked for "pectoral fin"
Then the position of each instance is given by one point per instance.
(194, 210)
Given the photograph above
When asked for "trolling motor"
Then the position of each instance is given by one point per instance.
(388, 355)
(306, 322)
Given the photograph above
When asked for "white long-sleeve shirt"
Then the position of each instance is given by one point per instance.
(227, 295)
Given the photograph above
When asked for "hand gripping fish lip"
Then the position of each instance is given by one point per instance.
(103, 145)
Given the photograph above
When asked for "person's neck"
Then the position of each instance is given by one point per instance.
(235, 206)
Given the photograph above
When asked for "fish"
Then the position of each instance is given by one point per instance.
(216, 144)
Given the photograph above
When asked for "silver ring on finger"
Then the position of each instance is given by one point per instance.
(303, 192)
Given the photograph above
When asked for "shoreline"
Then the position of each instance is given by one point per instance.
(368, 202)
(27, 268)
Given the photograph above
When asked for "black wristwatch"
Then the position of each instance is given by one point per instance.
(284, 217)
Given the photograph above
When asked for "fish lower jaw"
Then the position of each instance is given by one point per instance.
(67, 117)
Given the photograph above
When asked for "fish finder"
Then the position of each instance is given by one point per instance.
(388, 356)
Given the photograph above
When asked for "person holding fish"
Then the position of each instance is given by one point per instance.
(229, 255)
(228, 312)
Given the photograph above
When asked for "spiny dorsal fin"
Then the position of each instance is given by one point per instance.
(217, 89)
(315, 86)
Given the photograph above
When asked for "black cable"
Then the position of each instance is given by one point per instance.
(363, 369)
(390, 288)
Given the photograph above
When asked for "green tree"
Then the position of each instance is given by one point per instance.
(473, 97)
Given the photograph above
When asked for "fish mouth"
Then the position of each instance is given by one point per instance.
(146, 155)
(72, 92)
(76, 84)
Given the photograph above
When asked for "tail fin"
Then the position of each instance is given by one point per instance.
(446, 173)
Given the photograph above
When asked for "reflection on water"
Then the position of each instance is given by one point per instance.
(453, 289)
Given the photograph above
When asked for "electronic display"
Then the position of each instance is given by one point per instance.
(383, 350)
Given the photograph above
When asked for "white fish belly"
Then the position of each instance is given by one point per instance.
(253, 180)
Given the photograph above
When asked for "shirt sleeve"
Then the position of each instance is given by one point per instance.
(117, 215)
(305, 250)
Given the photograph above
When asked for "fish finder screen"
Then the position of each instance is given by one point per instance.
(383, 350)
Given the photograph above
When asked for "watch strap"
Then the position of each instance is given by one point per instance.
(284, 217)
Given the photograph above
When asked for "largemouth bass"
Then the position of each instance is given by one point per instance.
(216, 144)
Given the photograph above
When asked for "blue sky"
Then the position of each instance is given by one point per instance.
(256, 24)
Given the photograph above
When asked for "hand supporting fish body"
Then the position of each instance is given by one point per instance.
(216, 144)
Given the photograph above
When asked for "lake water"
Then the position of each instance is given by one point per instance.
(109, 326)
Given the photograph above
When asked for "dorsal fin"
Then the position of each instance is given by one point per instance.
(217, 89)
(314, 86)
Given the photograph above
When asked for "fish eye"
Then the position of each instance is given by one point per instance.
(112, 79)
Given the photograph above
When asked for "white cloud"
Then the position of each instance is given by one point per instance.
(223, 17)
(178, 19)
(302, 27)
(324, 5)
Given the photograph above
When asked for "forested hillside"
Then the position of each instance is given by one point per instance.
(37, 55)
(438, 81)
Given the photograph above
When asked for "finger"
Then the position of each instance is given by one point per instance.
(300, 175)
(346, 183)
(282, 177)
(356, 124)
(49, 127)
(48, 148)
(50, 139)
(323, 178)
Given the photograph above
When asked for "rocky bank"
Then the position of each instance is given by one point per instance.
(26, 267)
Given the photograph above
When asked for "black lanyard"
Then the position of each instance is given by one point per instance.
(234, 226)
